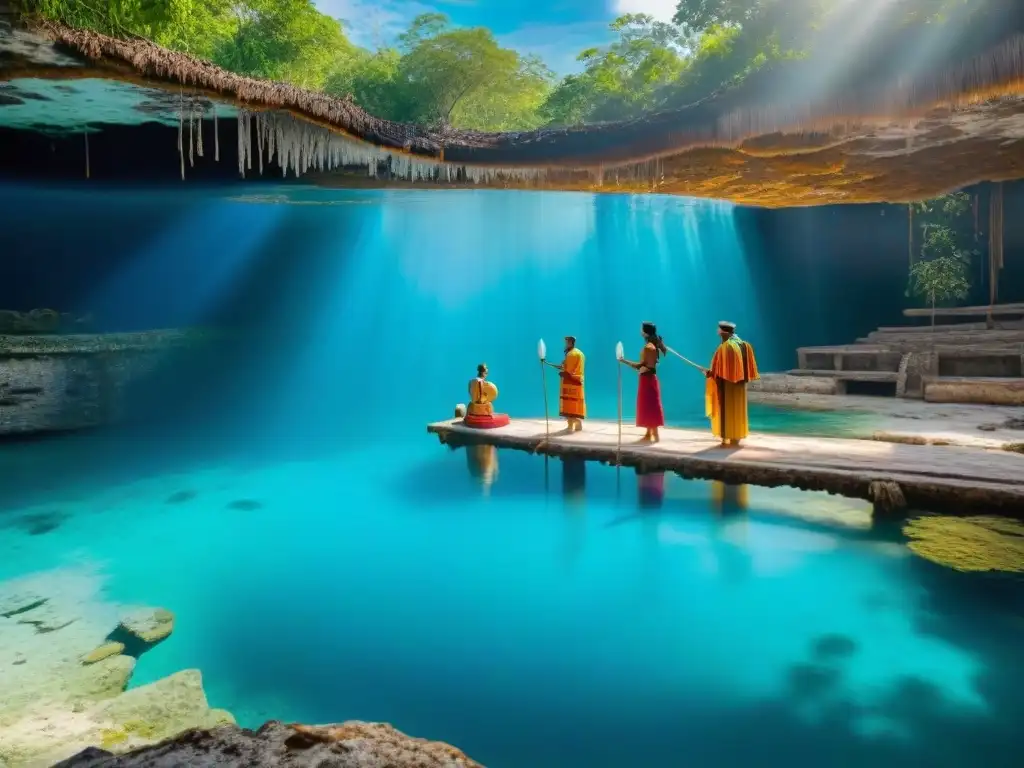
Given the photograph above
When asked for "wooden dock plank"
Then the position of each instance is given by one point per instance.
(935, 478)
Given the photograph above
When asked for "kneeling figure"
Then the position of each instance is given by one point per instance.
(482, 394)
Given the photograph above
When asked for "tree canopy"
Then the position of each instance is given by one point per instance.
(438, 74)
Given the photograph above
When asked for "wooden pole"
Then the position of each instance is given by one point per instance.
(910, 236)
(618, 449)
(995, 245)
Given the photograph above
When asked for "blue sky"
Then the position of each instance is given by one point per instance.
(554, 29)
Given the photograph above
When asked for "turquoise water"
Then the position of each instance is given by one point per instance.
(328, 560)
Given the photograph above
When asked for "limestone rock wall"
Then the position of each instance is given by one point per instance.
(56, 383)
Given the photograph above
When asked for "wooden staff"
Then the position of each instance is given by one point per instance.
(619, 354)
(542, 353)
(700, 368)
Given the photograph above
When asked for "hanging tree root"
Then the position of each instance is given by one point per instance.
(887, 496)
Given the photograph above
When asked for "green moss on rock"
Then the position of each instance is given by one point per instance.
(968, 543)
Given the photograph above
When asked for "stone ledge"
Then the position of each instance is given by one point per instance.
(348, 745)
(979, 390)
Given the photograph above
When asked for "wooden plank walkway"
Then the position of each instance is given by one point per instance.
(950, 479)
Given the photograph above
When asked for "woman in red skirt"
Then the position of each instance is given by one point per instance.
(649, 412)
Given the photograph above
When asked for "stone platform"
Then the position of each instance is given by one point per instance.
(953, 479)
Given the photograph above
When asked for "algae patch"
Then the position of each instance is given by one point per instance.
(968, 543)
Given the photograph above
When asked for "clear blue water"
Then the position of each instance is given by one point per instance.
(557, 617)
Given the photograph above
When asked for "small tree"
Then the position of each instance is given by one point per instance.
(941, 273)
(940, 280)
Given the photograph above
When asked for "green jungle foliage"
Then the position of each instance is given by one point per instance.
(441, 75)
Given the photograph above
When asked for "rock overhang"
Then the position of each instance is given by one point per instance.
(904, 139)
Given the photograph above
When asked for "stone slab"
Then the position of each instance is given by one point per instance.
(983, 311)
(985, 390)
(847, 375)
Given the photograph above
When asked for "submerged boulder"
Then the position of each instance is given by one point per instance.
(102, 652)
(142, 629)
(62, 685)
(348, 745)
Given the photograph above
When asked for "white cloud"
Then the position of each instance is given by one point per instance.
(373, 23)
(558, 45)
(662, 10)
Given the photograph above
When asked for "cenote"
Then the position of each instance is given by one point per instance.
(325, 559)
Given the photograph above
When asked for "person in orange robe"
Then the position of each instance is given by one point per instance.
(732, 367)
(572, 404)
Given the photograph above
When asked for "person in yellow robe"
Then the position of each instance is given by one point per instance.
(732, 367)
(572, 405)
(482, 393)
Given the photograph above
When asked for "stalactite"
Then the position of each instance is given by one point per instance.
(298, 147)
(260, 125)
(88, 172)
(241, 144)
(199, 126)
(191, 134)
(181, 133)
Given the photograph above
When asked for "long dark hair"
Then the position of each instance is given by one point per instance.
(650, 331)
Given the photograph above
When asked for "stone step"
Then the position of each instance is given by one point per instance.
(983, 311)
(847, 375)
(1003, 325)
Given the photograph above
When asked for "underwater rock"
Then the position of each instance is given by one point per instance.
(52, 704)
(349, 745)
(158, 711)
(47, 733)
(807, 681)
(833, 647)
(968, 543)
(180, 497)
(150, 625)
(245, 505)
(42, 321)
(99, 681)
(103, 652)
(43, 522)
(48, 616)
(10, 321)
(16, 603)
